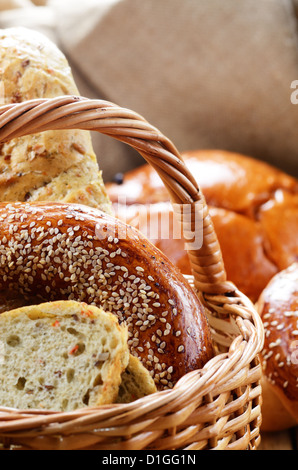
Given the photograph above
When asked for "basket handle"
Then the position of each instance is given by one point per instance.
(73, 112)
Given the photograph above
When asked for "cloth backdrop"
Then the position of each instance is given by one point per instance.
(207, 73)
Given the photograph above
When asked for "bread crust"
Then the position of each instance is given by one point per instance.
(71, 252)
(228, 180)
(275, 416)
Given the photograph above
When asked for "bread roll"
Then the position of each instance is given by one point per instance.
(278, 307)
(53, 165)
(254, 208)
(61, 356)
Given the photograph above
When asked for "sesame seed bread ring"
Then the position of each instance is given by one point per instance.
(61, 356)
(278, 307)
(72, 252)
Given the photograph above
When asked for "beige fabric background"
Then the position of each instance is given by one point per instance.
(207, 73)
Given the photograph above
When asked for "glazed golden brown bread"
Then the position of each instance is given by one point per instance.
(254, 208)
(278, 307)
(71, 252)
(53, 165)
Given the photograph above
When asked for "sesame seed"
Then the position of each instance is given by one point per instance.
(274, 344)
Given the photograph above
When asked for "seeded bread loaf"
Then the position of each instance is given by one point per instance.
(61, 356)
(53, 165)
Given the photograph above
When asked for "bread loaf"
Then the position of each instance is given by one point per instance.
(53, 165)
(72, 252)
(254, 208)
(61, 356)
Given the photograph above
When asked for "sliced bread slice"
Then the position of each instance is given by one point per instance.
(61, 356)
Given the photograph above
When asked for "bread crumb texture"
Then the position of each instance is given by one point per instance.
(52, 165)
(61, 356)
(136, 382)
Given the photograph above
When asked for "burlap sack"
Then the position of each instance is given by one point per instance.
(207, 73)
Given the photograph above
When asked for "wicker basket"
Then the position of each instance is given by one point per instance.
(218, 407)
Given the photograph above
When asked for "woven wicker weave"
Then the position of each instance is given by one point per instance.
(217, 407)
